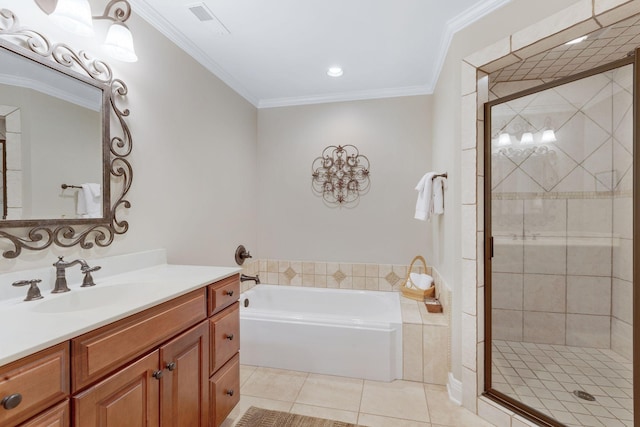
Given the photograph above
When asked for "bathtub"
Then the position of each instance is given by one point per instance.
(326, 331)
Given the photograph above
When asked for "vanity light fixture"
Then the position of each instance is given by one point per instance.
(335, 72)
(504, 139)
(548, 136)
(576, 41)
(527, 138)
(75, 16)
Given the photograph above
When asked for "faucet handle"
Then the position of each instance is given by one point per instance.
(88, 279)
(34, 292)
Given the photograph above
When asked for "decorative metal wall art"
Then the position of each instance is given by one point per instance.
(340, 175)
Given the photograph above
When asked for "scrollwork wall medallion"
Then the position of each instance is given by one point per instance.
(340, 175)
(117, 170)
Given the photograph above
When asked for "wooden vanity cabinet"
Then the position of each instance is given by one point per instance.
(37, 382)
(172, 365)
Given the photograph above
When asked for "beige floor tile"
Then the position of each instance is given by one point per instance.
(248, 401)
(276, 384)
(444, 412)
(378, 421)
(328, 413)
(397, 399)
(245, 372)
(331, 392)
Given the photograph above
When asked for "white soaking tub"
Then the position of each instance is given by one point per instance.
(327, 331)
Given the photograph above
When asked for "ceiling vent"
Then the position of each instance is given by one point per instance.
(204, 14)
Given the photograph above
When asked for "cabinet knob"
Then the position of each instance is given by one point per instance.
(157, 374)
(229, 337)
(229, 392)
(230, 293)
(11, 401)
(171, 366)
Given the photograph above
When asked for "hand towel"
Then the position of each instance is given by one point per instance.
(423, 204)
(89, 201)
(439, 185)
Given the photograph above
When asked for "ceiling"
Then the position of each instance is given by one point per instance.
(277, 52)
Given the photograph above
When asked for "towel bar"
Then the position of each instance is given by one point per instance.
(65, 186)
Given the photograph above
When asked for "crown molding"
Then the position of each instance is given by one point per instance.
(456, 24)
(146, 12)
(346, 96)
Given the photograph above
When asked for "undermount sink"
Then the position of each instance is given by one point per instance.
(83, 299)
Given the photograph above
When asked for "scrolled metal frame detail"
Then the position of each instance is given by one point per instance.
(70, 232)
(340, 175)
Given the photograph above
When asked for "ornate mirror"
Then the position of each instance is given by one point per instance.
(65, 143)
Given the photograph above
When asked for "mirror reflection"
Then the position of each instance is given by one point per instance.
(50, 135)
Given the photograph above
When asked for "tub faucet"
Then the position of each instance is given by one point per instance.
(244, 278)
(61, 280)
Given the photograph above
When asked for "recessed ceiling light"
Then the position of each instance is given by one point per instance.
(335, 72)
(578, 40)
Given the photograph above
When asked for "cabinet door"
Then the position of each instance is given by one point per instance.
(58, 416)
(184, 390)
(128, 398)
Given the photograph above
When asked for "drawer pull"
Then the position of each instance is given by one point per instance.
(230, 293)
(229, 392)
(229, 337)
(157, 374)
(11, 401)
(171, 366)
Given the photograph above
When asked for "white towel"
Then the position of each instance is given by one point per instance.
(89, 201)
(439, 185)
(423, 204)
(422, 281)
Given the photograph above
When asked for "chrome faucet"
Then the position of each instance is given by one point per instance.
(244, 278)
(61, 279)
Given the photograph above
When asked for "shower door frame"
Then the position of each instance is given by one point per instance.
(495, 395)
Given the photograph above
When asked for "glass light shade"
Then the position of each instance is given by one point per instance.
(119, 43)
(504, 139)
(335, 72)
(527, 138)
(549, 136)
(74, 16)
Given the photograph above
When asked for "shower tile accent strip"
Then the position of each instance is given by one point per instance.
(426, 336)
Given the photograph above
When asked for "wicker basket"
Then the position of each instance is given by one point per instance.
(410, 290)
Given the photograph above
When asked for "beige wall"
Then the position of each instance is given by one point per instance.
(448, 141)
(194, 153)
(295, 224)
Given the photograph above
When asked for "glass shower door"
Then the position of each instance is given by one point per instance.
(560, 283)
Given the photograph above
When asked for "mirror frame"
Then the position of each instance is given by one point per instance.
(37, 234)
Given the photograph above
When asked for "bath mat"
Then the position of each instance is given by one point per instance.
(258, 417)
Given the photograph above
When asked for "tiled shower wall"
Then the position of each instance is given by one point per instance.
(562, 217)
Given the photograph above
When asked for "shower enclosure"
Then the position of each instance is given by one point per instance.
(559, 262)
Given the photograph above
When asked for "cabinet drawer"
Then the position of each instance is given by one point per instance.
(58, 416)
(225, 336)
(223, 293)
(224, 390)
(41, 380)
(95, 354)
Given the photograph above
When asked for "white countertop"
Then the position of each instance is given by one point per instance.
(26, 327)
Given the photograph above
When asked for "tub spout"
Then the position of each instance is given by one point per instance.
(244, 278)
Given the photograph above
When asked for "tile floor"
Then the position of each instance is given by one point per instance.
(544, 376)
(371, 403)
